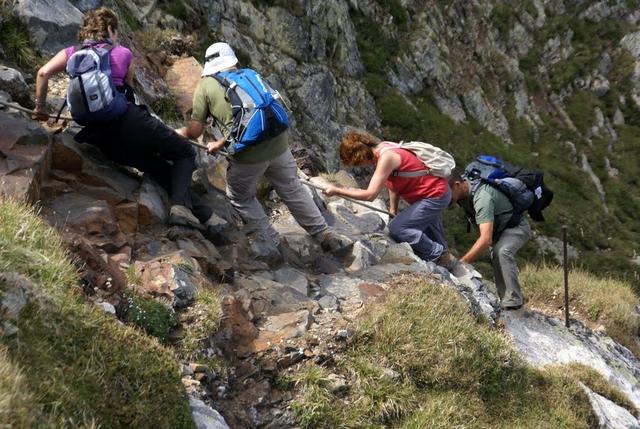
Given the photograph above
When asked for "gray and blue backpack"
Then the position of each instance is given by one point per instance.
(524, 188)
(258, 114)
(91, 95)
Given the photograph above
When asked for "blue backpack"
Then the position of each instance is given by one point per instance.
(524, 188)
(258, 114)
(91, 95)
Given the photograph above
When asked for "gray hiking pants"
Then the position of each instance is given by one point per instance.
(282, 172)
(505, 268)
(420, 225)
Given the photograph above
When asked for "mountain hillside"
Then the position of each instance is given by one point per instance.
(110, 318)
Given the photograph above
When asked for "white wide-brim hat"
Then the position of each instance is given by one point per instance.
(219, 56)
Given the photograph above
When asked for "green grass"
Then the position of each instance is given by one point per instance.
(603, 301)
(14, 39)
(204, 319)
(447, 370)
(82, 365)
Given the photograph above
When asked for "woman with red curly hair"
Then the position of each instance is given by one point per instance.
(420, 224)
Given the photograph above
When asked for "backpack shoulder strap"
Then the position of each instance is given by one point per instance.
(398, 173)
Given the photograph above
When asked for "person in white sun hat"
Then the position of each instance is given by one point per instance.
(253, 124)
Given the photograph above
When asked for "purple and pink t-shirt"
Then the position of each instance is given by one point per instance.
(120, 59)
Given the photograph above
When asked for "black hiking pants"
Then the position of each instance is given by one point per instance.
(141, 141)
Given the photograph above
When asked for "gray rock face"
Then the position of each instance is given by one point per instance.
(631, 42)
(153, 203)
(610, 414)
(52, 24)
(493, 119)
(13, 82)
(206, 417)
(293, 278)
(86, 5)
(545, 341)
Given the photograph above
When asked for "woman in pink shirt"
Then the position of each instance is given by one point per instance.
(133, 137)
(420, 224)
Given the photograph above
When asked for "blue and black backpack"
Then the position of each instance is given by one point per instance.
(524, 188)
(258, 114)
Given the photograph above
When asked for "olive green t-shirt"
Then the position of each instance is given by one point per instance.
(491, 205)
(209, 99)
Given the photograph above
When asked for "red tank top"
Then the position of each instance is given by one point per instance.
(412, 189)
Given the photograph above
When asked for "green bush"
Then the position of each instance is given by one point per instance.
(155, 318)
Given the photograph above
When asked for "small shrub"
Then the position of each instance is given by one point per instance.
(154, 317)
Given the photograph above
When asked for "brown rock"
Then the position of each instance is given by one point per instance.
(90, 170)
(25, 157)
(98, 269)
(282, 327)
(370, 290)
(127, 216)
(182, 78)
(236, 332)
(83, 215)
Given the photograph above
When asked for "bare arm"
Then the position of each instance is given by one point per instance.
(388, 162)
(193, 130)
(53, 66)
(482, 243)
(394, 198)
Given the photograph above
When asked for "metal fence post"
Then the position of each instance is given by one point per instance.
(566, 276)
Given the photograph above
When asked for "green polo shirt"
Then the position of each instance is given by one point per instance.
(209, 99)
(491, 205)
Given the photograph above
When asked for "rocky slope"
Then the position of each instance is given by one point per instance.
(549, 84)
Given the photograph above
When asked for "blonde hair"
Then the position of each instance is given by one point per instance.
(96, 24)
(357, 147)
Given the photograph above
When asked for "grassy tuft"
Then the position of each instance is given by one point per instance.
(14, 38)
(605, 301)
(84, 366)
(420, 359)
(205, 317)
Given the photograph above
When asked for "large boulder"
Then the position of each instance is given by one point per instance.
(52, 24)
(182, 79)
(13, 82)
(25, 157)
(91, 173)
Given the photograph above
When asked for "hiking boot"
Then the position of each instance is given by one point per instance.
(334, 243)
(181, 216)
(447, 261)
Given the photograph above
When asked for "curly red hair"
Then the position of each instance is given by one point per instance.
(356, 148)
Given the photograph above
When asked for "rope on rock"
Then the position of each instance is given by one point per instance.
(369, 206)
(24, 109)
(202, 146)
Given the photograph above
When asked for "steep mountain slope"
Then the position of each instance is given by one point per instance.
(322, 341)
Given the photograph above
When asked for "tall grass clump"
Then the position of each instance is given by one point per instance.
(601, 300)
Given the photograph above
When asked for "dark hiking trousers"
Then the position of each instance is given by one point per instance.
(139, 140)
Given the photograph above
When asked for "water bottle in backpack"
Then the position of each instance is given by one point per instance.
(91, 95)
